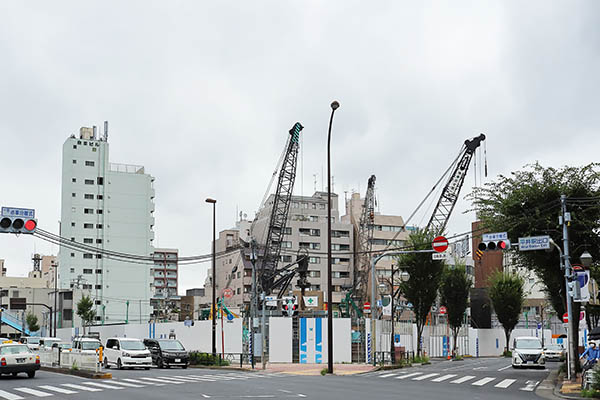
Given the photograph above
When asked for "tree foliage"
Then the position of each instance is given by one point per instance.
(507, 295)
(32, 322)
(85, 311)
(421, 289)
(454, 294)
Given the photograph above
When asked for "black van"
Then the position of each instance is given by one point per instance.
(167, 353)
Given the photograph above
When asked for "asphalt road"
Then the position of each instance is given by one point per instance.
(471, 379)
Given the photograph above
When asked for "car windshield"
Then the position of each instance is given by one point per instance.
(33, 340)
(171, 345)
(132, 345)
(16, 349)
(529, 344)
(90, 345)
(49, 343)
(554, 347)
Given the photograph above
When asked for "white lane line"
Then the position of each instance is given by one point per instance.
(223, 377)
(423, 377)
(194, 378)
(301, 395)
(529, 386)
(443, 378)
(503, 368)
(79, 387)
(483, 381)
(131, 385)
(463, 379)
(103, 385)
(387, 375)
(408, 375)
(205, 396)
(505, 383)
(143, 383)
(34, 392)
(182, 380)
(162, 381)
(57, 389)
(9, 396)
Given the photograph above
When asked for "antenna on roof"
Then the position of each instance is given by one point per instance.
(106, 131)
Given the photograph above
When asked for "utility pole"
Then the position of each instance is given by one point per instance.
(253, 300)
(263, 331)
(566, 218)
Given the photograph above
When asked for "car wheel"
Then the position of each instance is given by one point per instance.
(159, 363)
(106, 363)
(14, 374)
(184, 367)
(30, 374)
(146, 368)
(119, 365)
(167, 366)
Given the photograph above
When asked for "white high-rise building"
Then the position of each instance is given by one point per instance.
(108, 206)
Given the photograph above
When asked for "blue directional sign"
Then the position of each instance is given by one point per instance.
(534, 243)
(18, 212)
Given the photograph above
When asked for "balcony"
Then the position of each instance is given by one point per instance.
(159, 275)
(159, 283)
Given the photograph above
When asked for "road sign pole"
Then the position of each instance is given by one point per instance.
(567, 267)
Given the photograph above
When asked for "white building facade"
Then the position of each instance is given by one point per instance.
(110, 207)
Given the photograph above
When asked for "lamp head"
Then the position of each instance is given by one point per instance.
(335, 105)
(586, 259)
(209, 200)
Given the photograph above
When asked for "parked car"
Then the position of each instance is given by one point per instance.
(88, 345)
(32, 342)
(168, 353)
(126, 352)
(64, 346)
(554, 352)
(17, 357)
(527, 351)
(47, 342)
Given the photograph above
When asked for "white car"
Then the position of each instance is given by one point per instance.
(17, 357)
(126, 353)
(527, 351)
(86, 345)
(47, 342)
(32, 342)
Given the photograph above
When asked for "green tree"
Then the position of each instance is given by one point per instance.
(507, 295)
(85, 311)
(421, 289)
(32, 322)
(527, 203)
(454, 294)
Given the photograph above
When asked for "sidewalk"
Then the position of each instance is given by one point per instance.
(315, 369)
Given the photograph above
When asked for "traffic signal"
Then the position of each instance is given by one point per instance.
(290, 308)
(574, 289)
(17, 225)
(494, 245)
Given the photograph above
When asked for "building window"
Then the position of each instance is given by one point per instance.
(98, 255)
(310, 245)
(98, 241)
(98, 286)
(67, 314)
(322, 206)
(238, 290)
(74, 161)
(313, 218)
(88, 196)
(88, 210)
(88, 226)
(286, 259)
(89, 181)
(314, 274)
(87, 270)
(99, 197)
(98, 226)
(72, 239)
(94, 150)
(100, 180)
(88, 255)
(315, 288)
(72, 194)
(74, 180)
(72, 270)
(287, 230)
(72, 254)
(73, 209)
(341, 274)
(99, 271)
(89, 163)
(314, 206)
(88, 240)
(73, 224)
(314, 260)
(247, 288)
(99, 211)
(74, 146)
(305, 205)
(98, 302)
(295, 204)
(87, 286)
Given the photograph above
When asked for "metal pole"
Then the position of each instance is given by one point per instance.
(262, 332)
(253, 300)
(334, 106)
(373, 308)
(213, 310)
(567, 265)
(53, 317)
(392, 343)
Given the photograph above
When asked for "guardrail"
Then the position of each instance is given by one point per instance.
(385, 357)
(70, 359)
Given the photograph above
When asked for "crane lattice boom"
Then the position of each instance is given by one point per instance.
(365, 242)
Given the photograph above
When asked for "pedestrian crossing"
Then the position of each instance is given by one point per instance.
(456, 379)
(88, 385)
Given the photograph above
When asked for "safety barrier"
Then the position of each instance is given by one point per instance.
(69, 359)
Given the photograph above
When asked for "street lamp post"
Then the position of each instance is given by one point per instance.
(214, 279)
(334, 106)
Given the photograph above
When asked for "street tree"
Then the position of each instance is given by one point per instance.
(421, 289)
(454, 294)
(85, 311)
(507, 295)
(527, 203)
(32, 322)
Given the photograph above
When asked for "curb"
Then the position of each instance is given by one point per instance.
(558, 380)
(224, 367)
(76, 372)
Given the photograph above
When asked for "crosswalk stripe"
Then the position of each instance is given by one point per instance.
(443, 378)
(162, 381)
(57, 389)
(103, 385)
(505, 383)
(195, 378)
(34, 392)
(483, 381)
(225, 378)
(9, 396)
(87, 388)
(463, 379)
(529, 386)
(143, 383)
(423, 377)
(408, 375)
(132, 385)
(182, 380)
(386, 375)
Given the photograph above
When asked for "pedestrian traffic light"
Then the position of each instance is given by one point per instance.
(17, 225)
(289, 307)
(494, 245)
(574, 289)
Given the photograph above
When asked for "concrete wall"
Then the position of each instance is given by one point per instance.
(280, 343)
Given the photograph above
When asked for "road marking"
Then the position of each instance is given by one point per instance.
(463, 379)
(505, 383)
(193, 378)
(386, 375)
(205, 396)
(443, 378)
(182, 380)
(423, 377)
(479, 368)
(483, 381)
(114, 382)
(143, 383)
(9, 396)
(57, 389)
(74, 386)
(162, 381)
(408, 375)
(103, 385)
(503, 368)
(34, 392)
(529, 386)
(301, 395)
(223, 377)
(464, 366)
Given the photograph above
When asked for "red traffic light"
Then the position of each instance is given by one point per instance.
(30, 225)
(502, 245)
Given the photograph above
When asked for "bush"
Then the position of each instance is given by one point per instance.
(563, 368)
(507, 353)
(595, 379)
(591, 393)
(421, 359)
(198, 358)
(324, 371)
(458, 357)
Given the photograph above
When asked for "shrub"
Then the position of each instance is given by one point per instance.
(324, 371)
(421, 359)
(507, 353)
(199, 358)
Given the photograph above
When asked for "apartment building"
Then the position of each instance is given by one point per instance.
(110, 207)
(165, 273)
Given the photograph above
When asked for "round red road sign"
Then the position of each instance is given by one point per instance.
(566, 318)
(227, 293)
(367, 306)
(440, 244)
(443, 310)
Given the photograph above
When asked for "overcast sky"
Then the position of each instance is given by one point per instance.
(203, 93)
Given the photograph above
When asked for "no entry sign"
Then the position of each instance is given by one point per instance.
(227, 293)
(566, 318)
(440, 244)
(443, 310)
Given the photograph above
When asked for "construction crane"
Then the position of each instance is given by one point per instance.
(364, 243)
(267, 272)
(448, 198)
